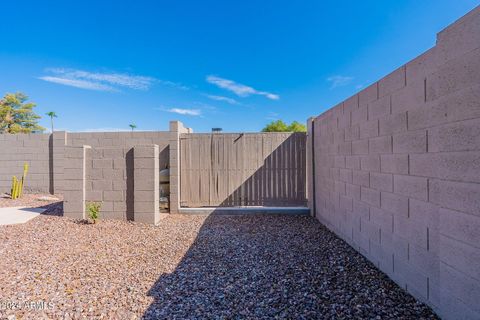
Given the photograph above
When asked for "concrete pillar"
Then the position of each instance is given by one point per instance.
(176, 130)
(74, 181)
(146, 184)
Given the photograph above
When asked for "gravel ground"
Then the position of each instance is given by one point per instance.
(193, 267)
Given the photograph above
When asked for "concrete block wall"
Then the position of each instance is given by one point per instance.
(176, 128)
(76, 171)
(146, 184)
(124, 180)
(45, 153)
(397, 172)
(110, 181)
(15, 150)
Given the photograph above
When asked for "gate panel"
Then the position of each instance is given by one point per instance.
(246, 169)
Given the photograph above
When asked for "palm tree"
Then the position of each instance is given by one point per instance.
(133, 126)
(52, 115)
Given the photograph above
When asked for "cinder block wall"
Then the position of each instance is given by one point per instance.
(75, 175)
(397, 172)
(15, 150)
(109, 180)
(146, 187)
(121, 171)
(45, 154)
(124, 180)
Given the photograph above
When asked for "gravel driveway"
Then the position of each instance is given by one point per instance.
(192, 267)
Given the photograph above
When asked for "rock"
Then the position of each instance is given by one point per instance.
(195, 267)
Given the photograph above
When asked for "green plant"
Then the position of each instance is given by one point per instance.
(280, 126)
(132, 126)
(52, 115)
(17, 185)
(17, 115)
(94, 211)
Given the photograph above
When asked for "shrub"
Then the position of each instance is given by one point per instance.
(94, 210)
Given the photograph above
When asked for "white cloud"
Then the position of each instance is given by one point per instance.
(117, 79)
(239, 89)
(222, 98)
(83, 84)
(339, 81)
(188, 112)
(103, 81)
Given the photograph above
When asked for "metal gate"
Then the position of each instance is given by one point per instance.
(246, 169)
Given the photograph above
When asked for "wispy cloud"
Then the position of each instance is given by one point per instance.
(82, 84)
(102, 81)
(187, 112)
(222, 98)
(176, 85)
(339, 81)
(273, 116)
(239, 89)
(97, 80)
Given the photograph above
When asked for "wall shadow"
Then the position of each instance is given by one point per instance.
(53, 209)
(223, 275)
(130, 193)
(275, 183)
(275, 267)
(164, 158)
(51, 184)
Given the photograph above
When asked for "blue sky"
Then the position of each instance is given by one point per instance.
(101, 65)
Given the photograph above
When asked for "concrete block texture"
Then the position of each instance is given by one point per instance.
(410, 142)
(380, 145)
(394, 163)
(75, 183)
(146, 184)
(412, 205)
(46, 155)
(461, 196)
(368, 95)
(456, 136)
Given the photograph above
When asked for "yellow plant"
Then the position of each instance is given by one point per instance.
(17, 185)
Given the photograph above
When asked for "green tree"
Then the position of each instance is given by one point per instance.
(296, 126)
(17, 116)
(133, 126)
(280, 126)
(52, 115)
(276, 126)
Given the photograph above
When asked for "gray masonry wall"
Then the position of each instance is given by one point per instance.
(92, 167)
(34, 149)
(45, 154)
(75, 175)
(146, 187)
(397, 172)
(109, 180)
(120, 170)
(124, 180)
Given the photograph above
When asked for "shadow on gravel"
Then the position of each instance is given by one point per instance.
(53, 209)
(276, 267)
